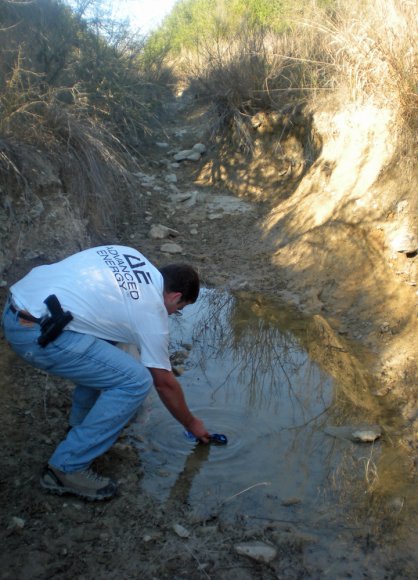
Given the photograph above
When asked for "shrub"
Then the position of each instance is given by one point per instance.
(290, 55)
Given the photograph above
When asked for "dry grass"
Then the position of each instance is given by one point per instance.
(78, 102)
(362, 51)
(94, 164)
(374, 49)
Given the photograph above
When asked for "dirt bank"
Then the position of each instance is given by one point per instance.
(322, 238)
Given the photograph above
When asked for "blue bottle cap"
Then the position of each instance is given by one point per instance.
(215, 438)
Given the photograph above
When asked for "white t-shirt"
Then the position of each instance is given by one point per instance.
(113, 292)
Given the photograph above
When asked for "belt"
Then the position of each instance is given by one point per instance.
(23, 314)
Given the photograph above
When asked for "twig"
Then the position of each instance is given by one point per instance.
(244, 490)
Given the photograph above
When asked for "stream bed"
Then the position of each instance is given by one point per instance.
(286, 393)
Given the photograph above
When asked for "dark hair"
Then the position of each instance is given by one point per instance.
(181, 278)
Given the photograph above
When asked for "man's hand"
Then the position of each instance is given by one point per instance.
(199, 430)
(171, 394)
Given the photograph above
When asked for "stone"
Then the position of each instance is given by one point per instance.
(160, 232)
(179, 197)
(366, 434)
(189, 154)
(355, 433)
(200, 147)
(194, 156)
(181, 531)
(171, 178)
(289, 501)
(192, 200)
(403, 241)
(182, 155)
(17, 523)
(170, 248)
(258, 551)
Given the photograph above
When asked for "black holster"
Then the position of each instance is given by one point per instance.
(53, 325)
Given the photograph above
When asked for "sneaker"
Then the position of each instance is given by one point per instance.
(86, 483)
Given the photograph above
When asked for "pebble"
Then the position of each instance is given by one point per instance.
(200, 147)
(291, 501)
(189, 154)
(181, 531)
(17, 523)
(366, 434)
(355, 433)
(160, 232)
(171, 248)
(256, 551)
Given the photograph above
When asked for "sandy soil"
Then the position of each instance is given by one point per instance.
(44, 536)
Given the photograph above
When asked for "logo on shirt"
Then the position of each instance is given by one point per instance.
(127, 270)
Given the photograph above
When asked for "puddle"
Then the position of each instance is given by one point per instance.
(273, 382)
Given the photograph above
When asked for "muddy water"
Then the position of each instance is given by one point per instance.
(273, 383)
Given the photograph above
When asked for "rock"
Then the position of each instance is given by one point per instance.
(17, 523)
(291, 501)
(194, 156)
(403, 241)
(171, 178)
(189, 154)
(182, 155)
(256, 551)
(179, 197)
(181, 531)
(160, 232)
(171, 248)
(355, 433)
(366, 434)
(179, 357)
(200, 147)
(192, 199)
(162, 145)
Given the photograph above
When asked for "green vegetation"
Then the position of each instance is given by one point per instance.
(192, 22)
(92, 87)
(257, 55)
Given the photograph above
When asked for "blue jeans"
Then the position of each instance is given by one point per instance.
(110, 386)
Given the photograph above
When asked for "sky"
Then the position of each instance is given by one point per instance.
(144, 14)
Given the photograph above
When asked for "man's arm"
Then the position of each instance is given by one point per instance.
(171, 394)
